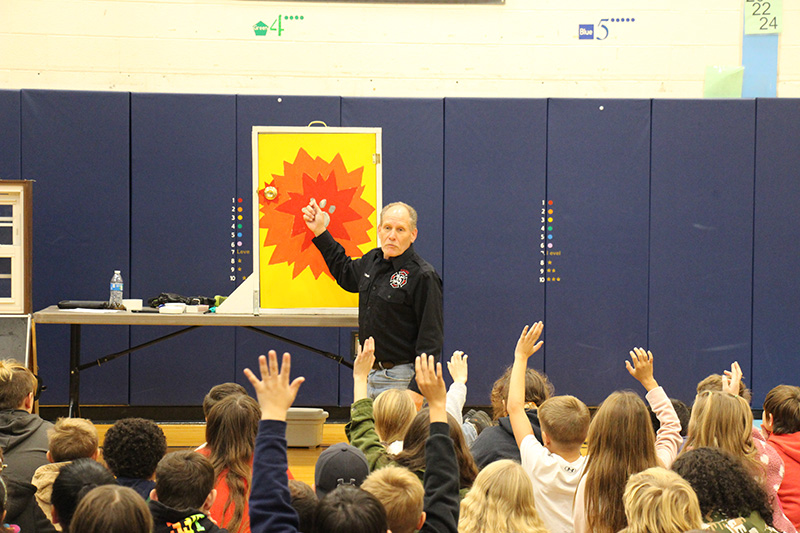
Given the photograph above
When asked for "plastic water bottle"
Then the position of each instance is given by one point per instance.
(115, 300)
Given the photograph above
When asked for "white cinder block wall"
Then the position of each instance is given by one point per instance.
(525, 48)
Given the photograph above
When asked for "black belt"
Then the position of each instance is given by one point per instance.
(383, 365)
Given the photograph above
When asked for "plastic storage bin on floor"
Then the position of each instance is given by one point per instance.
(304, 426)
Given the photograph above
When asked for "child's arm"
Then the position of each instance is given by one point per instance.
(526, 346)
(668, 437)
(457, 394)
(270, 501)
(441, 471)
(361, 428)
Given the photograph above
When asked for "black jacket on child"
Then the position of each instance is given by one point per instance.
(169, 520)
(498, 442)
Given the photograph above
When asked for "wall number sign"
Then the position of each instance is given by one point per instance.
(763, 17)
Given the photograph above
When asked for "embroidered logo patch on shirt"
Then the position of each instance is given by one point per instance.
(399, 279)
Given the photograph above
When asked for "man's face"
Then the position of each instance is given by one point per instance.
(395, 232)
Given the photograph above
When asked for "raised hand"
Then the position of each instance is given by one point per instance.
(457, 366)
(641, 367)
(362, 367)
(430, 381)
(527, 345)
(274, 392)
(732, 379)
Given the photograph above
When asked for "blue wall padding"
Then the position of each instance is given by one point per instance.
(412, 139)
(494, 185)
(776, 285)
(9, 135)
(183, 177)
(598, 174)
(675, 219)
(320, 373)
(75, 145)
(701, 240)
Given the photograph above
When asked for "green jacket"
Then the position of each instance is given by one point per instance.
(361, 433)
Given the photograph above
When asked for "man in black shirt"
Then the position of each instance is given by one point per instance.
(399, 293)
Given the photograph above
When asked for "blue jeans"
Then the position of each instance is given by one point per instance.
(397, 377)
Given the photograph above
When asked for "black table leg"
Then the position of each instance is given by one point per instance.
(74, 370)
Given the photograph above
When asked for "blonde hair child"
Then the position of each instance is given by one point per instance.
(660, 501)
(393, 411)
(402, 495)
(500, 501)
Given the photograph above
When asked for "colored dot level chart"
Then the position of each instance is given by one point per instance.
(238, 248)
(548, 264)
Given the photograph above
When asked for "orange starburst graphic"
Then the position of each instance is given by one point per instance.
(337, 192)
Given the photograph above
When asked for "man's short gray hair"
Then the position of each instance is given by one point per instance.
(412, 213)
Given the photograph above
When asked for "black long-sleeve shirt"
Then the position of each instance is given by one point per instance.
(399, 299)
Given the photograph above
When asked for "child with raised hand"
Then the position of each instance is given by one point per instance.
(441, 479)
(271, 508)
(555, 468)
(621, 442)
(345, 509)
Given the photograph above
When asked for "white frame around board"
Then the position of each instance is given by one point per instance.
(323, 287)
(16, 193)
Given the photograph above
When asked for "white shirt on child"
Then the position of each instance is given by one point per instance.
(554, 483)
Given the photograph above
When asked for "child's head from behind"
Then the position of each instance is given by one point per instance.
(714, 383)
(184, 480)
(393, 411)
(565, 421)
(16, 383)
(218, 392)
(537, 389)
(401, 494)
(133, 447)
(723, 484)
(73, 482)
(72, 438)
(782, 409)
(349, 509)
(304, 501)
(233, 423)
(660, 501)
(622, 423)
(501, 499)
(723, 420)
(681, 409)
(112, 508)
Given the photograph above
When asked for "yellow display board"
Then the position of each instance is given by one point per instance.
(340, 169)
